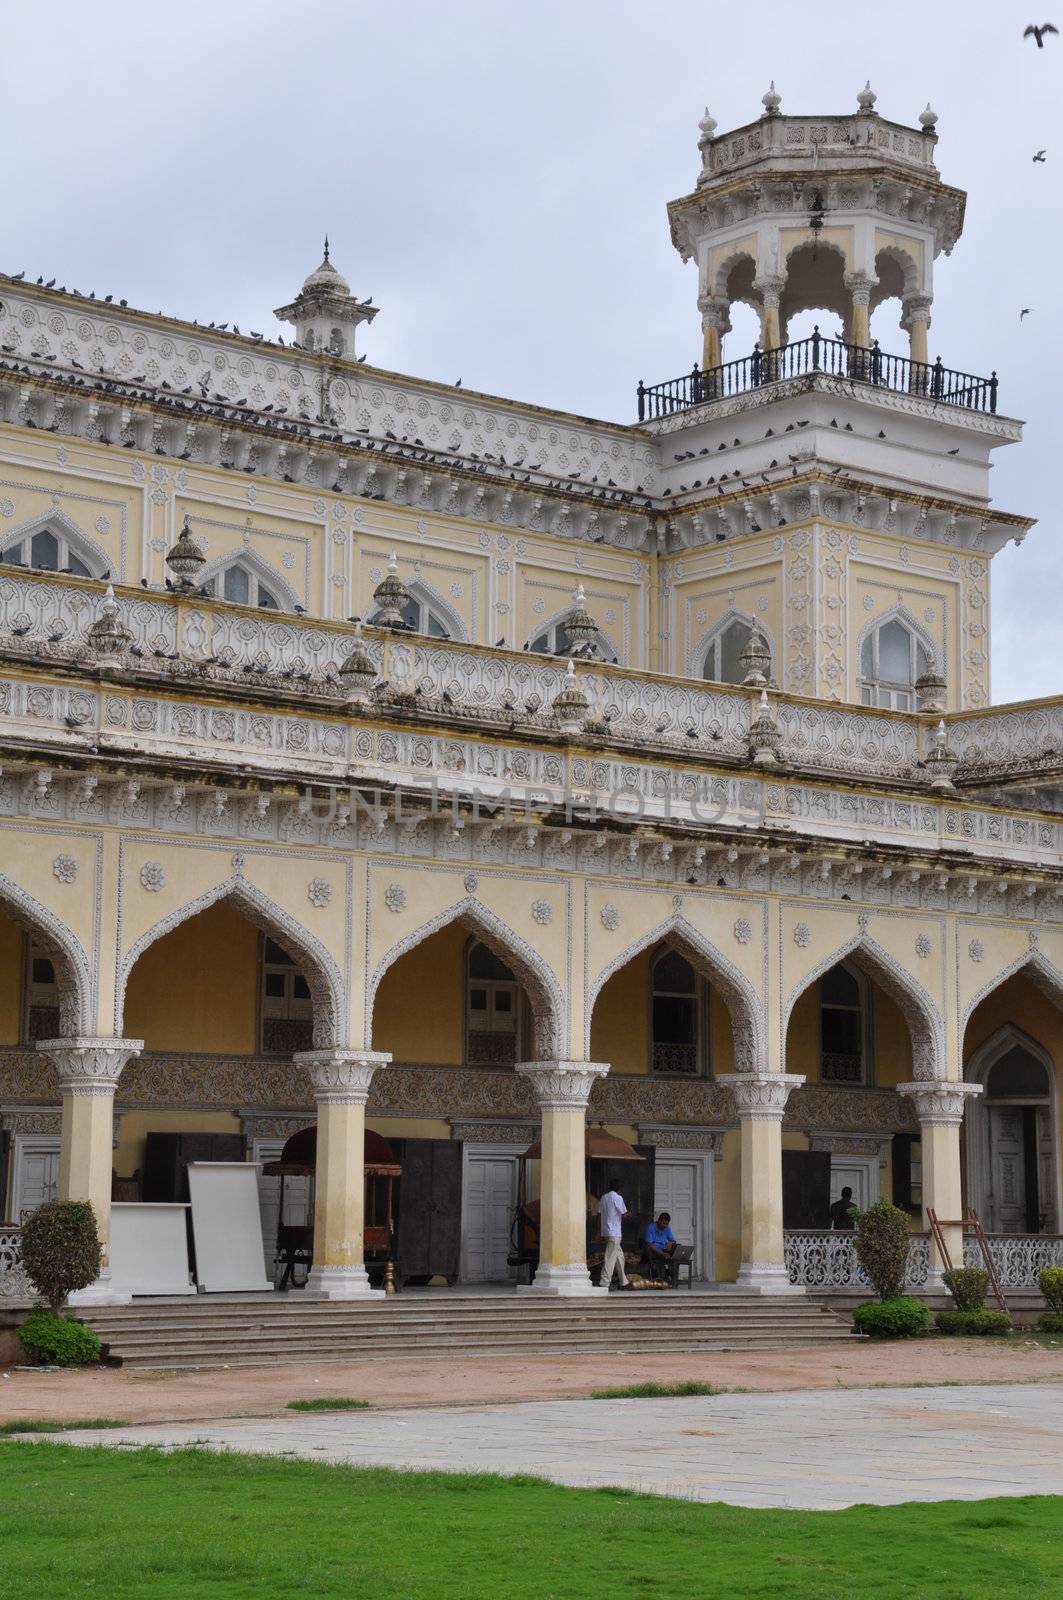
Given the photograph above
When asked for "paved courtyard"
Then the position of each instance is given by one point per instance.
(817, 1451)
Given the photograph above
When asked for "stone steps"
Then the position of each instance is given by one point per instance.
(183, 1334)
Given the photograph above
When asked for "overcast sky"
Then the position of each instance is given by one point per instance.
(496, 177)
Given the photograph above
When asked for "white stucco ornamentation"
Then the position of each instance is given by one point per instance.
(152, 876)
(562, 1085)
(543, 912)
(610, 917)
(395, 897)
(802, 935)
(743, 930)
(319, 892)
(923, 946)
(940, 1104)
(761, 1096)
(976, 950)
(65, 868)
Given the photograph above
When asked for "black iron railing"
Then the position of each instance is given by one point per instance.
(818, 354)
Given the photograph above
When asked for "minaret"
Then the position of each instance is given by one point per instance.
(825, 495)
(325, 312)
(835, 213)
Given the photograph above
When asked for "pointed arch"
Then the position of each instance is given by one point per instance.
(80, 544)
(1032, 964)
(699, 654)
(606, 646)
(245, 556)
(549, 1010)
(327, 988)
(75, 976)
(977, 1126)
(924, 1021)
(900, 613)
(744, 1005)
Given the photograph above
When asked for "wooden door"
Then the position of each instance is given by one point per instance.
(429, 1230)
(805, 1189)
(1007, 1168)
(490, 1194)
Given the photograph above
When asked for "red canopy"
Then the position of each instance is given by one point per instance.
(299, 1156)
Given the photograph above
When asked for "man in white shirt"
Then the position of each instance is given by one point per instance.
(611, 1213)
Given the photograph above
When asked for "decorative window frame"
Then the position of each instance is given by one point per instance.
(260, 569)
(66, 531)
(707, 643)
(522, 1032)
(901, 614)
(430, 600)
(867, 1025)
(702, 1052)
(605, 645)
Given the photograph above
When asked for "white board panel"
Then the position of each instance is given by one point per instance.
(227, 1226)
(149, 1248)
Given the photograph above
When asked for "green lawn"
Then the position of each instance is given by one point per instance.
(139, 1525)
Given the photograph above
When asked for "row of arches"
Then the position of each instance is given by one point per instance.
(502, 973)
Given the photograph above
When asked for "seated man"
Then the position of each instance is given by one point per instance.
(658, 1244)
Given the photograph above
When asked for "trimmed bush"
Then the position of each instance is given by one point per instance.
(1050, 1283)
(61, 1249)
(971, 1322)
(58, 1341)
(899, 1318)
(1050, 1322)
(967, 1286)
(882, 1247)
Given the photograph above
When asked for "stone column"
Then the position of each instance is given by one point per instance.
(940, 1106)
(715, 322)
(859, 287)
(88, 1071)
(562, 1089)
(760, 1100)
(771, 289)
(915, 320)
(341, 1080)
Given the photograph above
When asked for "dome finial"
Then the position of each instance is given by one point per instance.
(771, 101)
(928, 118)
(866, 98)
(326, 247)
(707, 124)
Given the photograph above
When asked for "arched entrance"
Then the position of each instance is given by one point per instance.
(1012, 1171)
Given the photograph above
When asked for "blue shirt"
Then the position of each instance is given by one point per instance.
(659, 1236)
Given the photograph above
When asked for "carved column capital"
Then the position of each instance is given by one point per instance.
(562, 1085)
(761, 1096)
(89, 1067)
(715, 312)
(770, 286)
(859, 286)
(915, 308)
(940, 1104)
(341, 1077)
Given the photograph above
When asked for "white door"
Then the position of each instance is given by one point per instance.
(858, 1173)
(487, 1212)
(36, 1174)
(296, 1200)
(1007, 1169)
(678, 1188)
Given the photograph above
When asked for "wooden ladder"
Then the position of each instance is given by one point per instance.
(971, 1221)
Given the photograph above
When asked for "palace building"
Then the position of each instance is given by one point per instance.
(381, 755)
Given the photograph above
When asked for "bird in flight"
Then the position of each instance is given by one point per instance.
(1025, 312)
(1040, 156)
(1039, 33)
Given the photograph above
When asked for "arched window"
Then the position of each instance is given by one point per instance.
(40, 996)
(286, 1007)
(422, 613)
(242, 586)
(493, 1009)
(726, 646)
(554, 641)
(675, 1014)
(51, 549)
(892, 658)
(844, 1026)
(1017, 1075)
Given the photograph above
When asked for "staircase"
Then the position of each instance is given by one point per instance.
(249, 1332)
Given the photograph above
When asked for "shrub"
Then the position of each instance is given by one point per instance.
(1050, 1283)
(882, 1247)
(970, 1322)
(967, 1286)
(61, 1249)
(1050, 1322)
(897, 1318)
(58, 1341)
